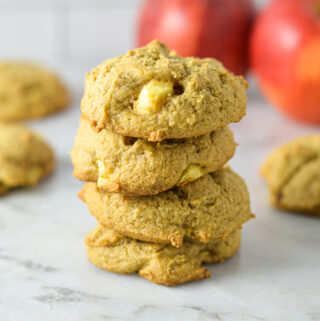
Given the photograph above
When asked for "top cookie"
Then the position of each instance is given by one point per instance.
(155, 94)
(28, 91)
(292, 172)
(25, 157)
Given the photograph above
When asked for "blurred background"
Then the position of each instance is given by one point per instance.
(76, 32)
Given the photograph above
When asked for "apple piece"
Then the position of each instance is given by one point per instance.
(285, 56)
(191, 173)
(152, 95)
(200, 28)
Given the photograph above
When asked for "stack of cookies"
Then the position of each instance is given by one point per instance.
(152, 145)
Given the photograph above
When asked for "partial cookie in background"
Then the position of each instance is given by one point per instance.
(159, 263)
(25, 157)
(28, 91)
(155, 94)
(135, 166)
(292, 172)
(208, 208)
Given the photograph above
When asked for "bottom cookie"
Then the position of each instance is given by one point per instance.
(159, 263)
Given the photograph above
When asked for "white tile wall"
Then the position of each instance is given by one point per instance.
(68, 30)
(97, 35)
(28, 34)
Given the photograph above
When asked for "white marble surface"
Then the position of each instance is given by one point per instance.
(45, 275)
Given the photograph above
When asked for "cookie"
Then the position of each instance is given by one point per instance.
(135, 166)
(292, 173)
(155, 94)
(28, 91)
(25, 157)
(3, 189)
(159, 263)
(208, 208)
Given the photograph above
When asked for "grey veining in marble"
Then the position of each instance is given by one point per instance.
(45, 275)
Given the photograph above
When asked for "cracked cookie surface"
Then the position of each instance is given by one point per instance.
(138, 167)
(28, 91)
(155, 94)
(159, 263)
(292, 173)
(25, 157)
(208, 208)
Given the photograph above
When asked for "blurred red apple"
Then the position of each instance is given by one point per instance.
(285, 56)
(200, 28)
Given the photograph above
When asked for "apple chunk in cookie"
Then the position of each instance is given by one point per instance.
(152, 96)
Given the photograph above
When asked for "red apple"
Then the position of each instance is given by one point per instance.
(200, 28)
(285, 56)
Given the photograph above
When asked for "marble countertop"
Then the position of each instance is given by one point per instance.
(45, 274)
